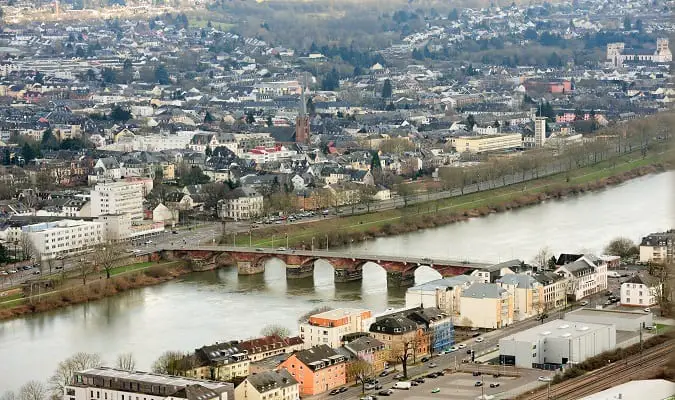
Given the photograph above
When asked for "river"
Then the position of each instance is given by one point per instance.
(203, 308)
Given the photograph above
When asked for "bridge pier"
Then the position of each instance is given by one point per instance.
(300, 271)
(400, 279)
(347, 275)
(250, 267)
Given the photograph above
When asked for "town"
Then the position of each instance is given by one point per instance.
(146, 141)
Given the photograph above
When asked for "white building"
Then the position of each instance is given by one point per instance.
(556, 343)
(241, 204)
(659, 389)
(277, 385)
(63, 238)
(115, 384)
(539, 131)
(117, 198)
(443, 294)
(527, 293)
(640, 290)
(657, 247)
(330, 327)
(587, 275)
(262, 155)
(486, 305)
(121, 227)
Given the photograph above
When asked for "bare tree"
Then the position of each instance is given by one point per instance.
(168, 363)
(66, 369)
(275, 330)
(366, 195)
(542, 257)
(402, 352)
(27, 248)
(622, 247)
(33, 390)
(105, 255)
(126, 362)
(85, 267)
(305, 317)
(8, 395)
(362, 371)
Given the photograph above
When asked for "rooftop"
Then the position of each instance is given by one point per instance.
(339, 313)
(659, 389)
(151, 378)
(556, 329)
(625, 315)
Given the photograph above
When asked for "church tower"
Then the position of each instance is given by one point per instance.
(302, 133)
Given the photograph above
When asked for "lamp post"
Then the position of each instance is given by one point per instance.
(312, 243)
(287, 240)
(272, 240)
(250, 238)
(326, 242)
(234, 239)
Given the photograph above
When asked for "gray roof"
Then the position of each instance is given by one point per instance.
(506, 264)
(521, 281)
(450, 282)
(483, 290)
(271, 380)
(578, 267)
(364, 343)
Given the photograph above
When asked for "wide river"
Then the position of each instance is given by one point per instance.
(203, 308)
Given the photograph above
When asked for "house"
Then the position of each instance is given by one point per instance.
(438, 325)
(491, 273)
(107, 169)
(370, 350)
(329, 327)
(111, 383)
(163, 214)
(486, 305)
(657, 247)
(270, 346)
(587, 275)
(242, 203)
(527, 293)
(361, 176)
(277, 385)
(444, 293)
(400, 334)
(220, 362)
(318, 369)
(180, 201)
(555, 289)
(641, 290)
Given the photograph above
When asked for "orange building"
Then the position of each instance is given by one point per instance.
(318, 369)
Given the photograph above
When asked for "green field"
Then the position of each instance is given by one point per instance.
(129, 268)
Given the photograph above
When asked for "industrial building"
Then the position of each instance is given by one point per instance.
(629, 321)
(556, 343)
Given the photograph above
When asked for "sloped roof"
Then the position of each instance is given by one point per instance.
(271, 380)
(483, 290)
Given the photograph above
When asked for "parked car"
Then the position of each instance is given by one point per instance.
(435, 390)
(398, 376)
(584, 303)
(431, 375)
(461, 345)
(36, 272)
(494, 384)
(413, 383)
(432, 365)
(334, 392)
(419, 380)
(544, 379)
(453, 348)
(343, 389)
(476, 373)
(281, 249)
(369, 386)
(646, 309)
(478, 384)
(479, 339)
(425, 359)
(385, 392)
(384, 373)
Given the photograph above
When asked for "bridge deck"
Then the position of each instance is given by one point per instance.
(346, 254)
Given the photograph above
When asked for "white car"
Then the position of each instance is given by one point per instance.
(648, 309)
(461, 345)
(479, 339)
(453, 348)
(544, 379)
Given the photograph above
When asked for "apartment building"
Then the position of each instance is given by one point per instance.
(370, 350)
(330, 327)
(121, 228)
(318, 369)
(272, 385)
(486, 305)
(104, 383)
(657, 247)
(270, 346)
(555, 289)
(641, 290)
(220, 361)
(487, 143)
(587, 274)
(527, 294)
(399, 333)
(444, 294)
(241, 204)
(117, 198)
(63, 238)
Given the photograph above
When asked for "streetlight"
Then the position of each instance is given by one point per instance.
(312, 243)
(286, 240)
(326, 242)
(250, 238)
(234, 239)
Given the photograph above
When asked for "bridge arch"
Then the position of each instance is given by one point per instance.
(426, 273)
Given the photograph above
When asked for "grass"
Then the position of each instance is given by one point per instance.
(378, 221)
(129, 268)
(663, 328)
(204, 21)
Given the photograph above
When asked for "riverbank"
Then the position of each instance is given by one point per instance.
(72, 291)
(345, 230)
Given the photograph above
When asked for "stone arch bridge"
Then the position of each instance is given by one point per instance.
(300, 263)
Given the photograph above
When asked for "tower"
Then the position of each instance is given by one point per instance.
(302, 133)
(539, 131)
(663, 53)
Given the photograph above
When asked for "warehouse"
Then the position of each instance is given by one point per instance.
(556, 343)
(631, 321)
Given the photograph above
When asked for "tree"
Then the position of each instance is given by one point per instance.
(126, 362)
(311, 107)
(542, 257)
(316, 310)
(213, 192)
(119, 114)
(208, 118)
(396, 146)
(470, 122)
(331, 81)
(8, 395)
(109, 75)
(49, 140)
(33, 390)
(28, 152)
(366, 195)
(402, 352)
(127, 66)
(275, 330)
(387, 89)
(27, 248)
(168, 363)
(85, 267)
(270, 123)
(406, 191)
(362, 371)
(161, 75)
(622, 247)
(105, 255)
(250, 118)
(66, 369)
(627, 23)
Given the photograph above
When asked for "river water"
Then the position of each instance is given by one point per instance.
(203, 308)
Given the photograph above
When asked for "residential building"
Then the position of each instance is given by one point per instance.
(273, 385)
(491, 273)
(261, 155)
(370, 350)
(439, 327)
(641, 290)
(486, 305)
(400, 334)
(270, 346)
(444, 293)
(555, 289)
(587, 275)
(657, 247)
(117, 198)
(527, 294)
(63, 238)
(487, 143)
(318, 369)
(556, 343)
(329, 327)
(121, 227)
(220, 361)
(249, 141)
(539, 131)
(242, 203)
(116, 384)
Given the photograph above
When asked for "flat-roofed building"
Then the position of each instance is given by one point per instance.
(487, 143)
(330, 327)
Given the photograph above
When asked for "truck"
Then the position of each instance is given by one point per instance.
(402, 385)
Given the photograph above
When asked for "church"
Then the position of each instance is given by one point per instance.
(617, 54)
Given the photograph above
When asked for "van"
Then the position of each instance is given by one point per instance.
(613, 274)
(402, 385)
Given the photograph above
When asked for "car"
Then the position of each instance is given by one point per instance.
(497, 375)
(494, 384)
(479, 339)
(453, 348)
(461, 346)
(419, 380)
(36, 272)
(584, 303)
(12, 271)
(431, 375)
(475, 334)
(427, 259)
(281, 249)
(478, 384)
(369, 386)
(608, 302)
(343, 389)
(608, 293)
(4, 273)
(474, 329)
(148, 242)
(334, 392)
(259, 249)
(440, 373)
(425, 359)
(368, 398)
(377, 387)
(399, 376)
(432, 365)
(413, 383)
(435, 390)
(59, 267)
(385, 392)
(384, 373)
(476, 373)
(648, 310)
(469, 351)
(544, 379)
(649, 328)
(278, 222)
